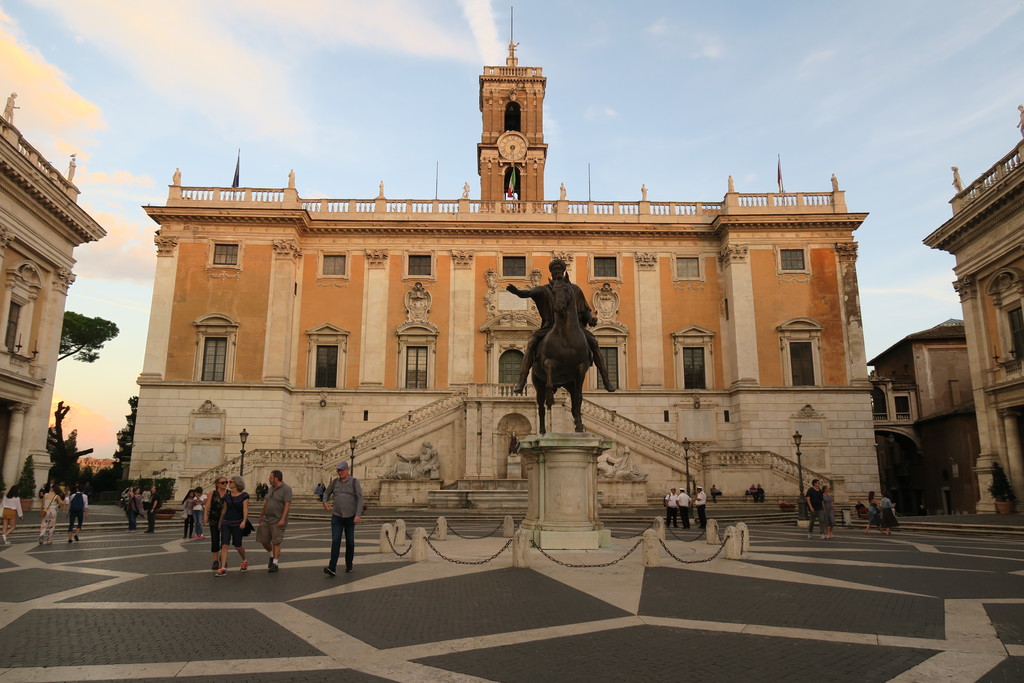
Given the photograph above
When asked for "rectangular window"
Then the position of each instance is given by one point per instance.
(416, 367)
(11, 335)
(513, 266)
(611, 361)
(902, 406)
(1016, 318)
(215, 353)
(693, 368)
(420, 264)
(605, 266)
(801, 361)
(326, 367)
(688, 267)
(225, 254)
(792, 259)
(334, 264)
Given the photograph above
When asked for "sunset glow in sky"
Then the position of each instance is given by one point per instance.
(674, 95)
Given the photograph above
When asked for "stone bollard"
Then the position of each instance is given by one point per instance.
(744, 534)
(651, 549)
(509, 527)
(520, 549)
(732, 544)
(399, 536)
(419, 545)
(712, 535)
(386, 530)
(659, 528)
(442, 529)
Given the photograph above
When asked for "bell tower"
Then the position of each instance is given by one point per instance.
(511, 152)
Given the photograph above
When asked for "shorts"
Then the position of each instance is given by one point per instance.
(231, 535)
(269, 533)
(9, 513)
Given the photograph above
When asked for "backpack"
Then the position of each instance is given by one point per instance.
(77, 503)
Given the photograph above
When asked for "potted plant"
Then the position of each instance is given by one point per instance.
(1001, 490)
(27, 485)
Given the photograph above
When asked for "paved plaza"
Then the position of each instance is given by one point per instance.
(914, 607)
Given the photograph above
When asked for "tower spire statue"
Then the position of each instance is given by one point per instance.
(512, 60)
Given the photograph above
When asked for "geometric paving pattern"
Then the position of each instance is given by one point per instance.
(117, 606)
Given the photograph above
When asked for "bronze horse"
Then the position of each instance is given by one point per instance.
(563, 356)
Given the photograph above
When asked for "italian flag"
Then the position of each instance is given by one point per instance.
(511, 194)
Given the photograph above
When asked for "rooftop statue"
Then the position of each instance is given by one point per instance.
(835, 183)
(1020, 124)
(732, 185)
(957, 183)
(176, 178)
(9, 109)
(71, 169)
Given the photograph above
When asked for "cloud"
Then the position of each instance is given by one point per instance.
(658, 28)
(481, 23)
(94, 430)
(126, 253)
(599, 111)
(51, 114)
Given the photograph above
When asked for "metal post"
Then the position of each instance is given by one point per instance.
(801, 501)
(686, 458)
(352, 454)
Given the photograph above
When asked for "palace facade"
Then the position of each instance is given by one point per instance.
(727, 326)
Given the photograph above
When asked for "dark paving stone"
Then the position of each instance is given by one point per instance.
(4, 564)
(275, 677)
(1009, 622)
(49, 637)
(918, 559)
(164, 563)
(942, 583)
(255, 585)
(683, 594)
(1010, 670)
(679, 654)
(28, 584)
(491, 602)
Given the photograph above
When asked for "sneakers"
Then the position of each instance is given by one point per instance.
(221, 572)
(245, 566)
(330, 572)
(194, 537)
(216, 565)
(6, 542)
(348, 568)
(270, 563)
(272, 568)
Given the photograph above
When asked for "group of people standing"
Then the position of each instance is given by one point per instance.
(52, 498)
(881, 513)
(135, 502)
(678, 504)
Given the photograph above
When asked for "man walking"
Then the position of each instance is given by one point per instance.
(672, 509)
(348, 505)
(154, 504)
(277, 503)
(78, 510)
(815, 508)
(701, 500)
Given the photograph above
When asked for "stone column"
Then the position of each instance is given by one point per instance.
(460, 364)
(650, 344)
(12, 454)
(741, 342)
(277, 359)
(155, 362)
(1014, 455)
(374, 345)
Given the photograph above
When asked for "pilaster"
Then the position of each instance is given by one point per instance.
(373, 346)
(277, 359)
(155, 362)
(650, 340)
(741, 358)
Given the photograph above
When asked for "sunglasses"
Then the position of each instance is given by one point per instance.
(221, 483)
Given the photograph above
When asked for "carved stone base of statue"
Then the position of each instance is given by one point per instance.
(561, 473)
(407, 491)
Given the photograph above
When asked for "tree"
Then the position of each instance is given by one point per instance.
(27, 482)
(126, 436)
(63, 450)
(83, 337)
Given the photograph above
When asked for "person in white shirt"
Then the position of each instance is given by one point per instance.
(672, 509)
(11, 512)
(684, 508)
(701, 501)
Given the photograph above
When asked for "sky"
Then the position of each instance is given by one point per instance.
(676, 95)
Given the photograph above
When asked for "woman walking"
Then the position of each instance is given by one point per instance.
(234, 514)
(211, 517)
(12, 513)
(52, 500)
(133, 508)
(873, 513)
(188, 504)
(198, 509)
(830, 510)
(888, 519)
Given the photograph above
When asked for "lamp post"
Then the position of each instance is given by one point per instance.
(352, 454)
(243, 436)
(802, 503)
(686, 459)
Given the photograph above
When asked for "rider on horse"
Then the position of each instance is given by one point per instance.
(541, 297)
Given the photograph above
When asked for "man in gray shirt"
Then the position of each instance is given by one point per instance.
(348, 506)
(274, 517)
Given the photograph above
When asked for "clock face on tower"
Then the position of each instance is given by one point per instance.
(512, 146)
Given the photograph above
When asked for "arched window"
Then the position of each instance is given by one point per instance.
(513, 116)
(879, 405)
(510, 364)
(513, 181)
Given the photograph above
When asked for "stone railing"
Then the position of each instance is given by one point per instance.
(372, 438)
(1011, 370)
(279, 457)
(763, 460)
(636, 431)
(38, 161)
(989, 179)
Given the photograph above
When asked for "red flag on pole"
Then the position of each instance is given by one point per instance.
(782, 188)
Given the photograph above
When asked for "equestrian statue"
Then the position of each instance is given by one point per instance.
(562, 350)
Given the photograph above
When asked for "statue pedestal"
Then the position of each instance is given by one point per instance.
(561, 473)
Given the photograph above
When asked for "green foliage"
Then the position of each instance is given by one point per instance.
(126, 436)
(64, 456)
(27, 482)
(82, 337)
(1000, 487)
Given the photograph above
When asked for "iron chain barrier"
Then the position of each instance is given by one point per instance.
(702, 533)
(469, 562)
(476, 538)
(682, 561)
(395, 550)
(636, 535)
(587, 566)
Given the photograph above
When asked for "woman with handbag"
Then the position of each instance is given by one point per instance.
(52, 500)
(234, 519)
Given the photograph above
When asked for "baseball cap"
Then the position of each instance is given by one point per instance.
(343, 465)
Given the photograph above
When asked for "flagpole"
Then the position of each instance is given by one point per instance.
(589, 198)
(437, 168)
